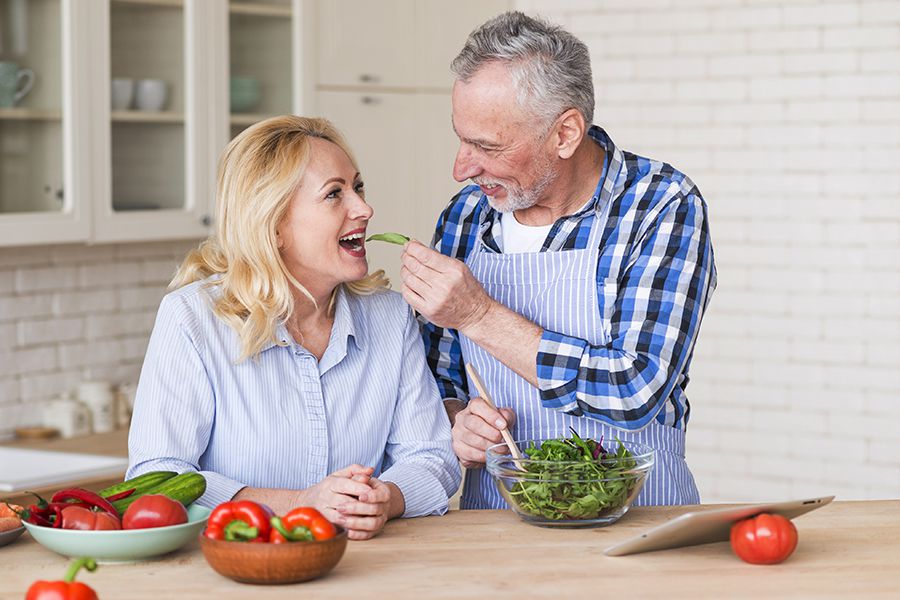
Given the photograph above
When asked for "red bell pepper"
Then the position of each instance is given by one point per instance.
(78, 517)
(239, 521)
(68, 589)
(303, 523)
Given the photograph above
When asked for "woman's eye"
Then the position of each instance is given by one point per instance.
(360, 188)
(333, 194)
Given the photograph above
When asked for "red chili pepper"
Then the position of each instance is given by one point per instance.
(239, 521)
(311, 519)
(82, 495)
(121, 495)
(68, 589)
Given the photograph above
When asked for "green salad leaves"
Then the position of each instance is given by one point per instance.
(587, 481)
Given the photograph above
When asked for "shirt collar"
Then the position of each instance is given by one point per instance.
(345, 326)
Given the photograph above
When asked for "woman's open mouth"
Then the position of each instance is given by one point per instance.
(354, 243)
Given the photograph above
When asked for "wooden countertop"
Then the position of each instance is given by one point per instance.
(846, 550)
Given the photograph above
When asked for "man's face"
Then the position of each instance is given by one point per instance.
(502, 148)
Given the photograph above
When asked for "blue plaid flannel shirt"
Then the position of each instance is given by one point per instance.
(658, 230)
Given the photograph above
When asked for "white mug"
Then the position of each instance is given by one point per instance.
(99, 397)
(122, 93)
(150, 94)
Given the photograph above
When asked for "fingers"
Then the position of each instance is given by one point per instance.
(478, 407)
(349, 470)
(363, 524)
(345, 486)
(476, 428)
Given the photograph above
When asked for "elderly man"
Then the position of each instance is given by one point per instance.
(573, 274)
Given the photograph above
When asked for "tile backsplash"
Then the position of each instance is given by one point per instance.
(72, 312)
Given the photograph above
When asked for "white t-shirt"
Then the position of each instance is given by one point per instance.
(518, 238)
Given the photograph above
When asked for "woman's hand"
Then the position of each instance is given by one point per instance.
(337, 489)
(365, 516)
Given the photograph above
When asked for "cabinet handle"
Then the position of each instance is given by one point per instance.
(206, 220)
(371, 100)
(368, 78)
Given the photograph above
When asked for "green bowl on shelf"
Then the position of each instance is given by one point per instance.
(244, 94)
(124, 545)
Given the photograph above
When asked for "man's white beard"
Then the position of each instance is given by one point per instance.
(519, 199)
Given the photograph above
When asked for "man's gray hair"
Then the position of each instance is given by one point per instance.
(550, 67)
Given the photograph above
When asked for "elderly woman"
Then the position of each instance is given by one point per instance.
(279, 368)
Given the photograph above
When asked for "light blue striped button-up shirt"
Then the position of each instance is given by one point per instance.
(286, 420)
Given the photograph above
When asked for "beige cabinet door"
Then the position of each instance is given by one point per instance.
(381, 131)
(437, 146)
(442, 29)
(366, 43)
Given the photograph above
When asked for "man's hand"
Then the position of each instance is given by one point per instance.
(441, 288)
(477, 427)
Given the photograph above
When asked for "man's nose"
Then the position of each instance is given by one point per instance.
(464, 166)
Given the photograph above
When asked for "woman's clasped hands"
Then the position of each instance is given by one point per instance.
(352, 498)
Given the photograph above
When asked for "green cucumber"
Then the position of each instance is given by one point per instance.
(139, 484)
(184, 488)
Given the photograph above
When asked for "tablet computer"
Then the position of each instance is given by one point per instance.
(707, 526)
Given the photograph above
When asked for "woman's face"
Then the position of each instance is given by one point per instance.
(322, 236)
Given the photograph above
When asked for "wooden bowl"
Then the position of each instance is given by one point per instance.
(292, 562)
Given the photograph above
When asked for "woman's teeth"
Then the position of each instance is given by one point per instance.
(352, 241)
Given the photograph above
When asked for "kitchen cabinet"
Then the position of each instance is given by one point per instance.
(383, 76)
(120, 137)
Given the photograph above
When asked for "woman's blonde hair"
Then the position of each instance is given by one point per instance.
(259, 173)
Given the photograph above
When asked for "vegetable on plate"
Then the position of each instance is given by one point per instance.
(185, 488)
(79, 517)
(765, 539)
(154, 510)
(68, 588)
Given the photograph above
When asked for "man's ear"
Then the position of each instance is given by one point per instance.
(570, 130)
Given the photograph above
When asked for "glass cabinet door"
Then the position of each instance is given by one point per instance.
(31, 166)
(42, 178)
(147, 98)
(261, 66)
(153, 108)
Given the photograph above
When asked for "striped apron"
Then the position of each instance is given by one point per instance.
(558, 291)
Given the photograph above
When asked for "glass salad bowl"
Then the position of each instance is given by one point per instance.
(570, 482)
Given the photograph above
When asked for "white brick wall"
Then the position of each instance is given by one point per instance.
(72, 312)
(786, 113)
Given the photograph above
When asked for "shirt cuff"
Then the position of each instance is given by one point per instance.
(558, 361)
(422, 492)
(219, 489)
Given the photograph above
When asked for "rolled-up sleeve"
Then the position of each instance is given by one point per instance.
(419, 456)
(175, 405)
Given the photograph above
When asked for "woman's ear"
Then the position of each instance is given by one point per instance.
(570, 130)
(279, 240)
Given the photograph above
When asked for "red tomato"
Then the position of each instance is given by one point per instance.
(77, 517)
(764, 540)
(154, 510)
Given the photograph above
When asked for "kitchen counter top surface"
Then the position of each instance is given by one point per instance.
(846, 550)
